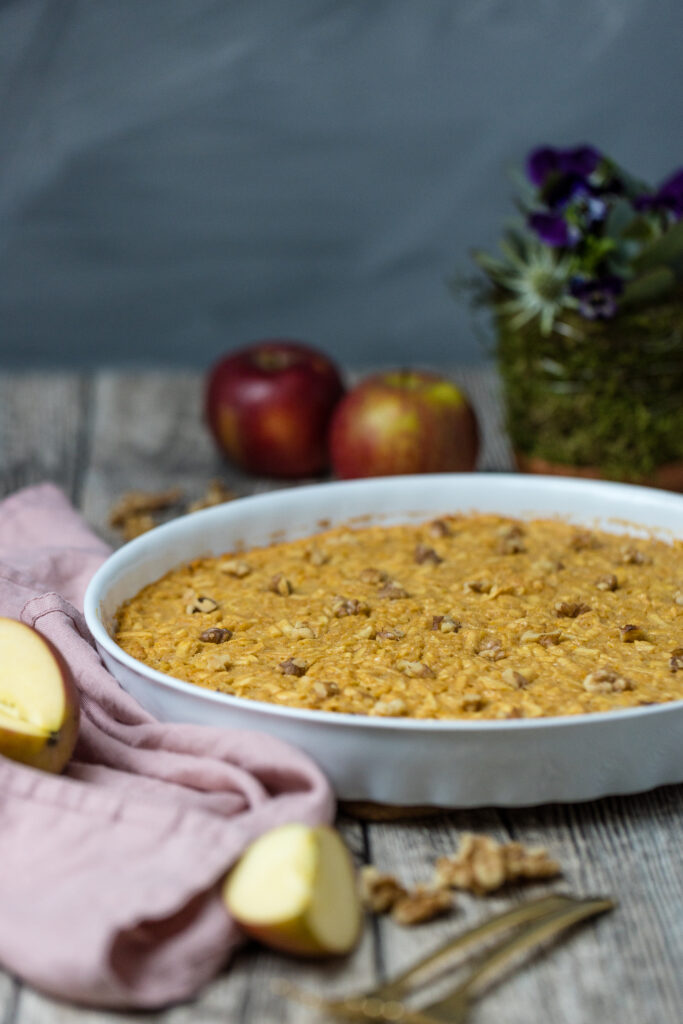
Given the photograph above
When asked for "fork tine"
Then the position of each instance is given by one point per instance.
(366, 1004)
(440, 958)
(539, 919)
(451, 1009)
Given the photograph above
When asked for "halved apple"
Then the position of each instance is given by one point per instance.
(39, 710)
(295, 889)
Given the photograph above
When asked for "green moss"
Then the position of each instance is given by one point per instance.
(610, 395)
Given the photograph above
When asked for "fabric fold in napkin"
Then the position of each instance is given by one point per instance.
(110, 874)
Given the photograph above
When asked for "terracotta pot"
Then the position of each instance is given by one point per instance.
(667, 477)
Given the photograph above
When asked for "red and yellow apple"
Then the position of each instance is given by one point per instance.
(269, 405)
(294, 889)
(403, 421)
(39, 710)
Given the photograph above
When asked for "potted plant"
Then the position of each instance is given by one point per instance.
(586, 297)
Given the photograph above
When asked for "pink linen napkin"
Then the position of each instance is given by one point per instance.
(110, 874)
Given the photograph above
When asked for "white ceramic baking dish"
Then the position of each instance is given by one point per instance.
(407, 761)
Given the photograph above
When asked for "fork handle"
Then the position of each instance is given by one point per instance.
(528, 937)
(412, 978)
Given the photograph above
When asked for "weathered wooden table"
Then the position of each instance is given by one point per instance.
(100, 435)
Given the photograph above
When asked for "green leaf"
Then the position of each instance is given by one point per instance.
(619, 218)
(488, 263)
(667, 250)
(649, 287)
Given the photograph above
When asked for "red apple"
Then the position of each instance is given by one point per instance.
(269, 406)
(403, 421)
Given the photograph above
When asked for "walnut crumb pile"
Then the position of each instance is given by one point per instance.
(382, 893)
(480, 865)
(136, 512)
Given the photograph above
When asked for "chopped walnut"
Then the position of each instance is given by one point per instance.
(584, 540)
(324, 689)
(607, 582)
(415, 669)
(472, 702)
(510, 540)
(424, 554)
(279, 584)
(482, 865)
(389, 634)
(234, 567)
(510, 546)
(491, 649)
(293, 667)
(216, 635)
(137, 524)
(570, 609)
(629, 633)
(375, 576)
(379, 892)
(389, 708)
(392, 591)
(216, 494)
(676, 659)
(423, 903)
(632, 556)
(515, 678)
(477, 586)
(201, 604)
(515, 712)
(439, 528)
(445, 624)
(548, 639)
(529, 862)
(606, 680)
(134, 503)
(318, 557)
(342, 606)
(548, 565)
(678, 597)
(298, 631)
(510, 530)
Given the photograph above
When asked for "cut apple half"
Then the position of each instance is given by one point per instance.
(39, 710)
(295, 889)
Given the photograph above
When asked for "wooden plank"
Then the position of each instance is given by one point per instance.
(9, 997)
(627, 847)
(147, 434)
(43, 430)
(245, 993)
(483, 388)
(144, 431)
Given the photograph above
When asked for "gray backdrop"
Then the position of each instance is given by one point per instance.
(180, 177)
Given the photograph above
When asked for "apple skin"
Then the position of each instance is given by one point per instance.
(403, 421)
(48, 748)
(268, 407)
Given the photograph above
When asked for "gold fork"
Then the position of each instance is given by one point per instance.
(535, 921)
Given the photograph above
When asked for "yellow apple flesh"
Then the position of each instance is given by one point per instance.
(39, 710)
(295, 889)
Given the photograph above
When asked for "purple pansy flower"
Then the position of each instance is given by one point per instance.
(553, 229)
(597, 296)
(578, 162)
(669, 196)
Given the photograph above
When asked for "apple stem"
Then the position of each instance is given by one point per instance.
(272, 360)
